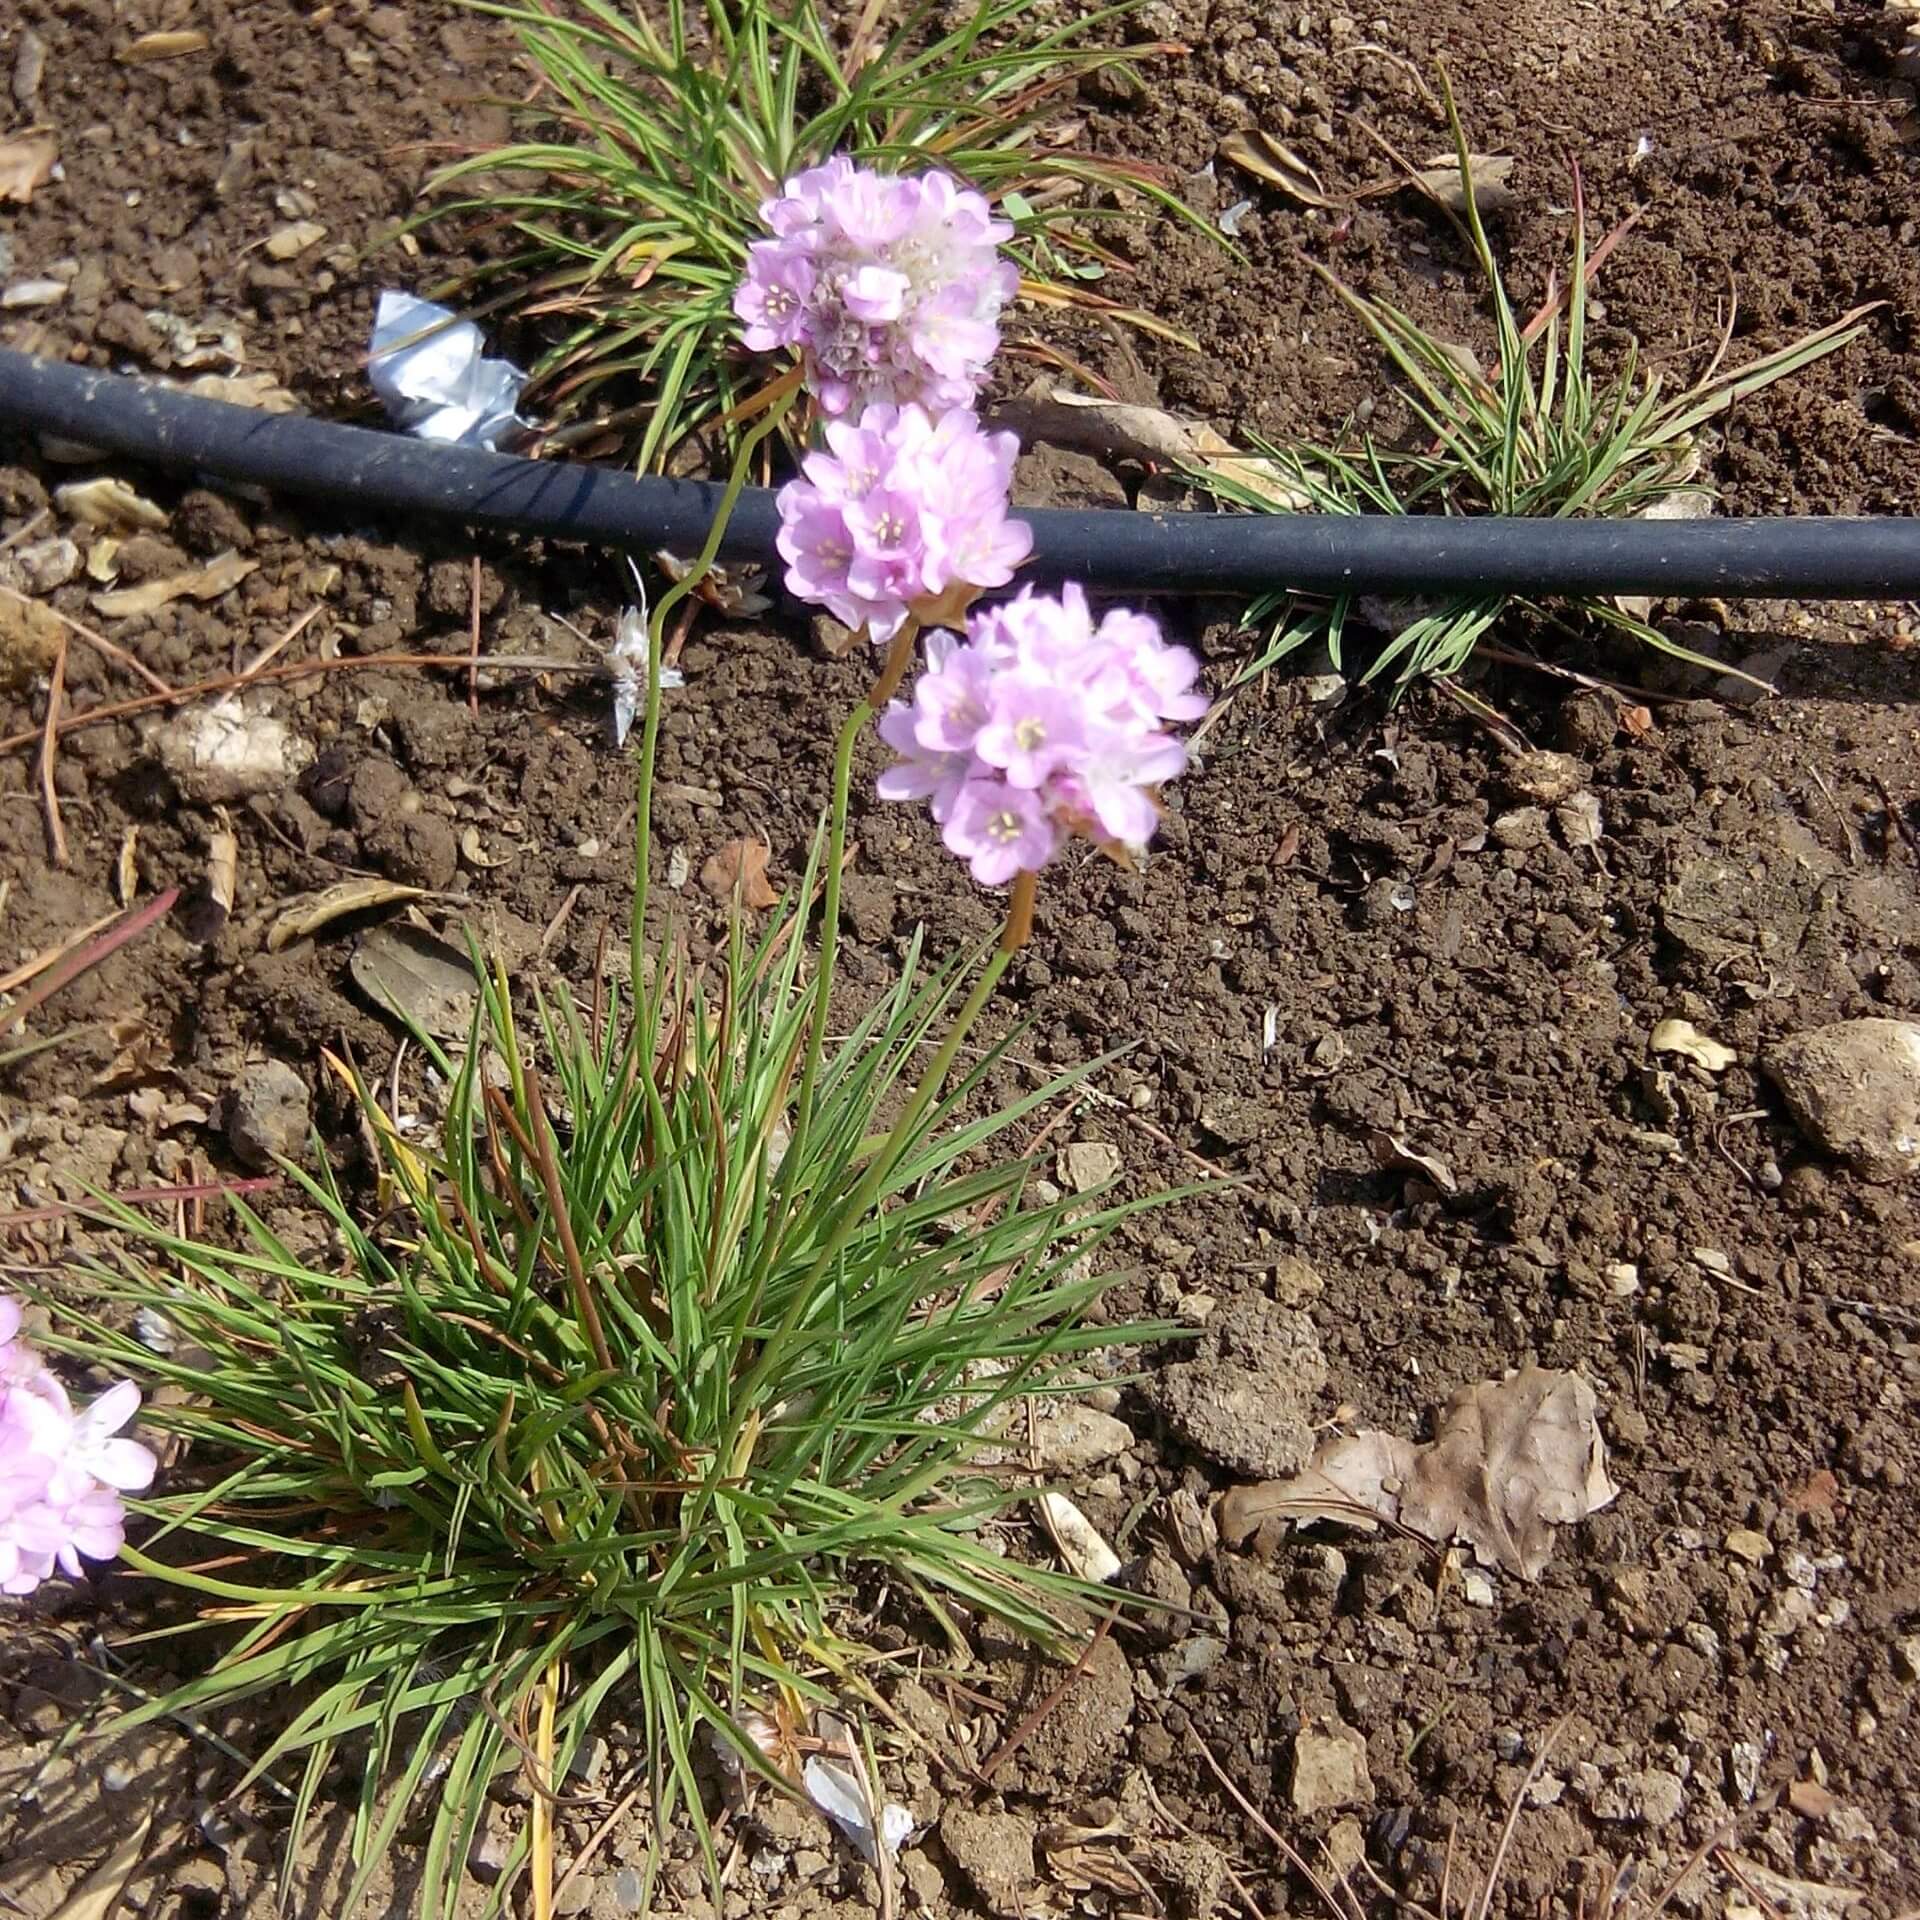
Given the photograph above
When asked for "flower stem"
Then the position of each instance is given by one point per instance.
(895, 670)
(850, 732)
(1019, 928)
(656, 631)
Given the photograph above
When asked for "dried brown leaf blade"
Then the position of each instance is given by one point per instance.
(1276, 163)
(313, 911)
(99, 1893)
(220, 575)
(424, 982)
(163, 46)
(1125, 430)
(1440, 180)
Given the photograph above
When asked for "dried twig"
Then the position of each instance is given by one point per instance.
(129, 927)
(274, 648)
(145, 1197)
(473, 646)
(1849, 845)
(27, 529)
(49, 743)
(1246, 1806)
(1033, 1722)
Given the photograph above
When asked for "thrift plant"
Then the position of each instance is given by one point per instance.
(649, 160)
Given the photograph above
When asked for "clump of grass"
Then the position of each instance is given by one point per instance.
(690, 1311)
(1543, 435)
(632, 211)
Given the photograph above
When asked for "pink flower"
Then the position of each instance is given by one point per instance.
(1038, 725)
(61, 1473)
(889, 287)
(898, 512)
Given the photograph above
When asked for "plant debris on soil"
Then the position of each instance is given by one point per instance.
(1352, 933)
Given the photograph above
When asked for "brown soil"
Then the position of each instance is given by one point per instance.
(1333, 943)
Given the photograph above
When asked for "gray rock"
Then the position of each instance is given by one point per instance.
(1854, 1090)
(1070, 1438)
(1089, 1164)
(1659, 1796)
(1330, 1769)
(268, 1116)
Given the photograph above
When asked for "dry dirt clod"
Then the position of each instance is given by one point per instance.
(1248, 1402)
(1854, 1090)
(268, 1115)
(41, 567)
(26, 164)
(995, 1853)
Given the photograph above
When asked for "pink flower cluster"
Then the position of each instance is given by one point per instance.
(1041, 724)
(897, 513)
(61, 1472)
(888, 287)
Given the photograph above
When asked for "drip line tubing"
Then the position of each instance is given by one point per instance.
(376, 475)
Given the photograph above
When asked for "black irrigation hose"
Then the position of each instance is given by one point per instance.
(387, 476)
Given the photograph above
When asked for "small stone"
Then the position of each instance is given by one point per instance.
(269, 1115)
(1346, 1846)
(1744, 1761)
(1660, 1796)
(1521, 830)
(1476, 1589)
(1546, 1791)
(1623, 1279)
(1330, 1769)
(1089, 1164)
(1790, 1610)
(43, 566)
(292, 240)
(1509, 1743)
(1745, 1544)
(1854, 1090)
(576, 1896)
(33, 293)
(628, 1890)
(1070, 1438)
(1906, 1657)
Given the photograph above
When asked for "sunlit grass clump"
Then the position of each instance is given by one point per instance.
(1541, 434)
(689, 1311)
(658, 132)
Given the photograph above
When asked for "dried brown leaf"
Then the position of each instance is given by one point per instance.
(26, 163)
(1392, 1151)
(261, 391)
(425, 982)
(163, 46)
(1510, 1460)
(96, 1897)
(1273, 161)
(220, 575)
(1439, 179)
(126, 870)
(313, 911)
(739, 870)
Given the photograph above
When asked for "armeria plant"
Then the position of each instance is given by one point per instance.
(693, 1306)
(659, 132)
(1543, 435)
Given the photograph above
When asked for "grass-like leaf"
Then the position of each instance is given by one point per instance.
(1543, 435)
(659, 130)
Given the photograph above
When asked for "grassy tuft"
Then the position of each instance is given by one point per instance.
(639, 1360)
(1543, 435)
(631, 209)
